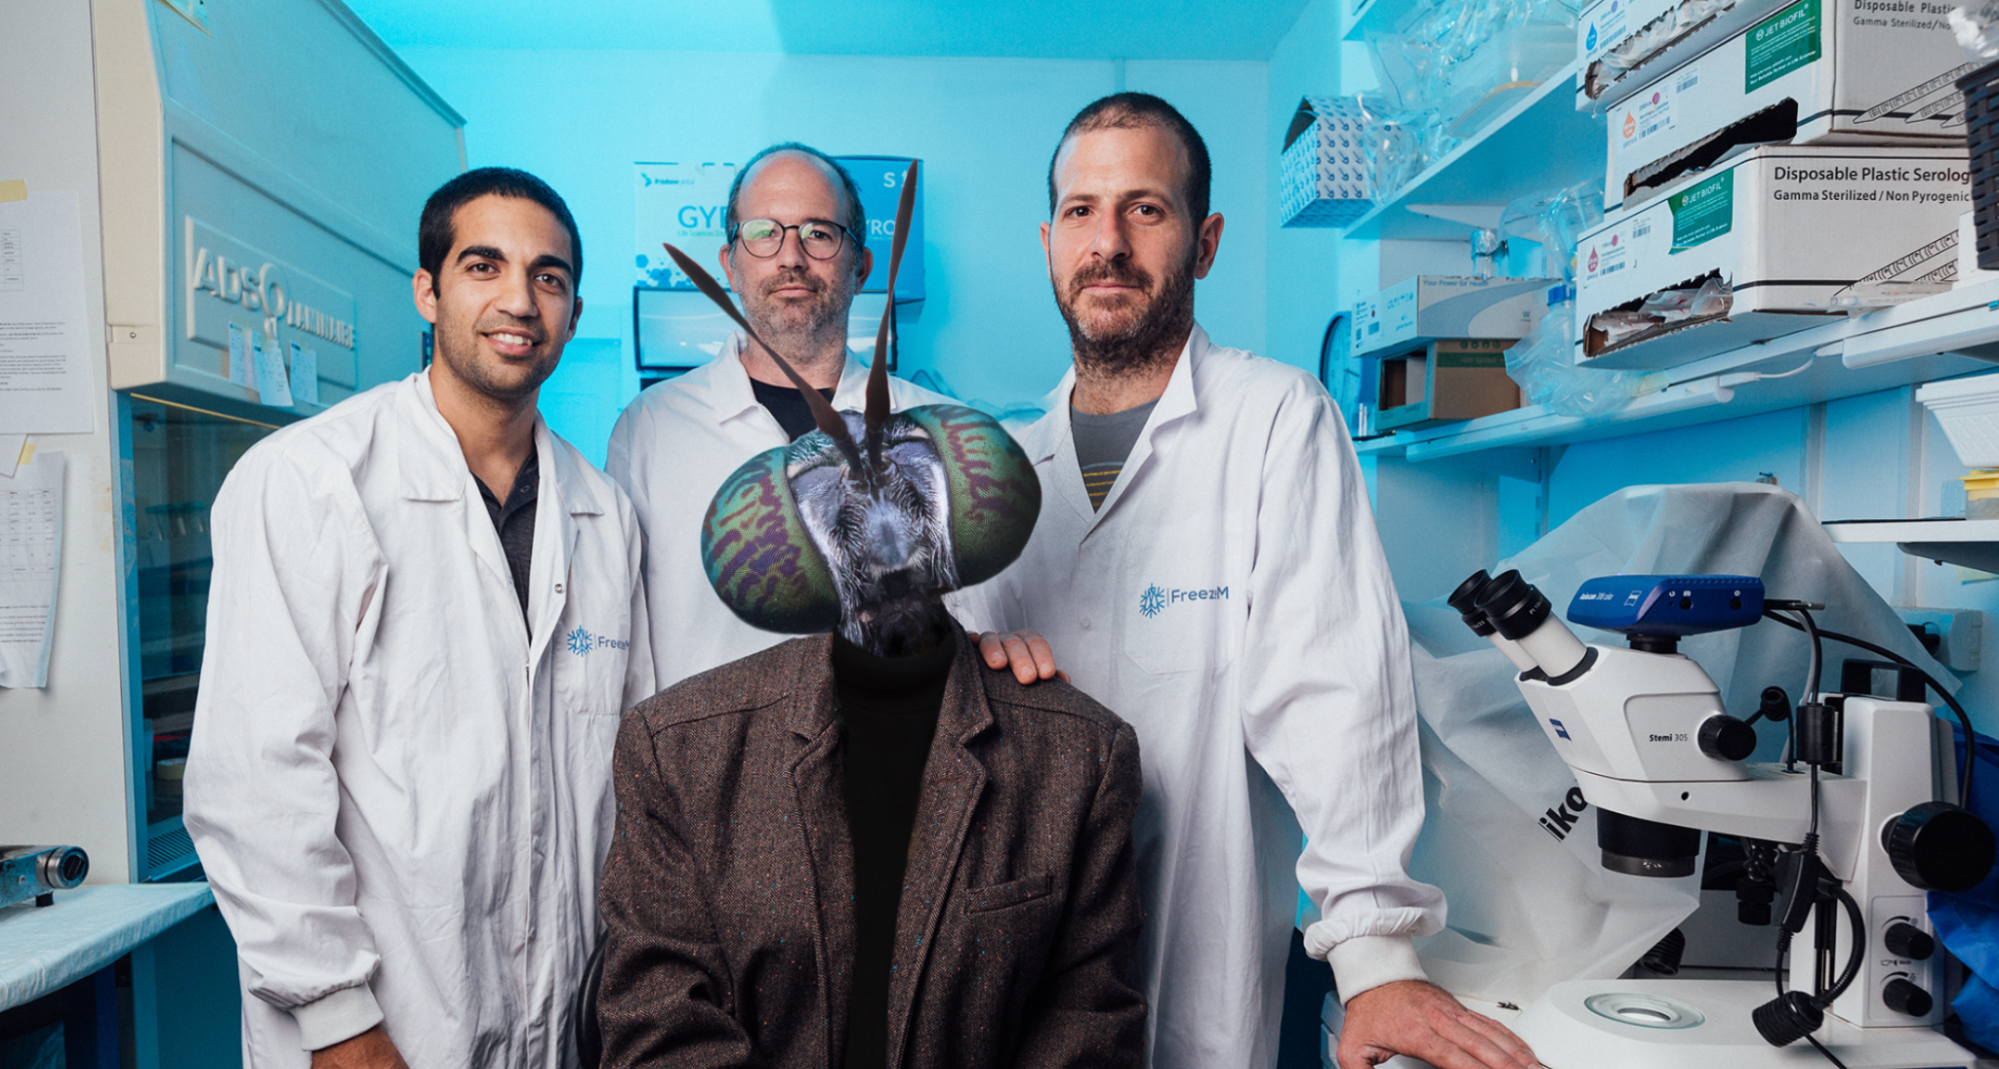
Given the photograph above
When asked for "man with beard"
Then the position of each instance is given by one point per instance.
(425, 619)
(796, 254)
(1208, 566)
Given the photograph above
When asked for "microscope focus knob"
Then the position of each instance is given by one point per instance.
(1905, 997)
(1937, 846)
(1726, 738)
(1905, 940)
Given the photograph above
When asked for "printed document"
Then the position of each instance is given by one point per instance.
(30, 556)
(44, 345)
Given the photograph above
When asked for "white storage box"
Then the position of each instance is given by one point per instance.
(1790, 232)
(1323, 172)
(1968, 408)
(1431, 307)
(1623, 44)
(1812, 72)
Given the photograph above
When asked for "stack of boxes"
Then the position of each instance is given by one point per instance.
(1795, 158)
(1437, 345)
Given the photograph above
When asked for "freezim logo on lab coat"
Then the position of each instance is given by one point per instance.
(581, 642)
(1157, 599)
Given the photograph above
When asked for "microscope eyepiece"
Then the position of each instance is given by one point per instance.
(1514, 606)
(1465, 600)
(1521, 615)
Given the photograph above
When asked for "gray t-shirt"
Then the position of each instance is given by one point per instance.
(1103, 443)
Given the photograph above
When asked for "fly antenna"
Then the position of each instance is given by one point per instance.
(822, 409)
(878, 402)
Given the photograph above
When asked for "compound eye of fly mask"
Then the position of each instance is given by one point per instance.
(863, 524)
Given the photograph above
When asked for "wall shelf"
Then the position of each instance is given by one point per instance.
(1378, 16)
(1541, 143)
(1970, 543)
(1844, 356)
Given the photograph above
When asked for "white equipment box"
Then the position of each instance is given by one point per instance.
(1811, 72)
(1789, 232)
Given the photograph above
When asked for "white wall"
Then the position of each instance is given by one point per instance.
(985, 129)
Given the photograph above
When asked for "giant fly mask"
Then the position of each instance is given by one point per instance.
(863, 524)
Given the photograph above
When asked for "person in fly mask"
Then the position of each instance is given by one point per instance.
(864, 847)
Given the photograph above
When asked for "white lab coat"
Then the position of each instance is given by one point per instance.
(1232, 602)
(400, 792)
(671, 450)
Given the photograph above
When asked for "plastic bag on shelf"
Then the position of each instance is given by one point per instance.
(1555, 221)
(1399, 145)
(1543, 364)
(1977, 28)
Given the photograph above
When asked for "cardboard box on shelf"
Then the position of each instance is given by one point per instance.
(1443, 381)
(1785, 234)
(1323, 171)
(1428, 307)
(1812, 72)
(1623, 44)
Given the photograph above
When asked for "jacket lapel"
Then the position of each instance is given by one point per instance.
(953, 780)
(822, 819)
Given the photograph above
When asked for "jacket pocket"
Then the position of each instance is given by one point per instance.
(1007, 895)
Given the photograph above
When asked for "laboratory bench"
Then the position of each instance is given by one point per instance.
(93, 968)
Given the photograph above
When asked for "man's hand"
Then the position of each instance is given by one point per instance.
(369, 1050)
(1026, 651)
(1421, 1020)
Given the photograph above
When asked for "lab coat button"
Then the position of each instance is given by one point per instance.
(558, 588)
(1086, 624)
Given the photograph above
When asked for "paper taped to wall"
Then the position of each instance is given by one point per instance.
(44, 346)
(30, 559)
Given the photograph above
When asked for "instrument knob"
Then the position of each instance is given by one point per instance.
(1937, 846)
(1905, 940)
(1905, 997)
(1726, 738)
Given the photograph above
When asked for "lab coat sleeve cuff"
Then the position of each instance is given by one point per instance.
(342, 1015)
(1366, 962)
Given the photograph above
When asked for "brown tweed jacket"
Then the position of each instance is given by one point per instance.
(729, 886)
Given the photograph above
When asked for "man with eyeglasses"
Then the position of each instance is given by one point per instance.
(796, 254)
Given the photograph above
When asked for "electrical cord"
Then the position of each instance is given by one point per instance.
(1963, 720)
(1854, 960)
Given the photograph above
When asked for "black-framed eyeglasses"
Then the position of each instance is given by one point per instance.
(762, 238)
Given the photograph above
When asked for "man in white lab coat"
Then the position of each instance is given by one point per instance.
(425, 622)
(1207, 565)
(796, 255)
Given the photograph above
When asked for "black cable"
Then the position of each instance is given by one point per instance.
(1818, 657)
(1963, 720)
(1821, 1049)
(1855, 956)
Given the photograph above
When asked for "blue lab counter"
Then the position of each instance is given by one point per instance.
(57, 966)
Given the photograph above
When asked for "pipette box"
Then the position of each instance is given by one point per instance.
(1795, 233)
(1813, 72)
(1426, 308)
(1661, 34)
(1323, 171)
(1444, 381)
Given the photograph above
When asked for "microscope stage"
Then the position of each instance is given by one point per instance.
(1670, 1024)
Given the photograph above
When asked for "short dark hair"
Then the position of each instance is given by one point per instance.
(435, 232)
(857, 217)
(1134, 111)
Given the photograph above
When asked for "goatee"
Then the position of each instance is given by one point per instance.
(1153, 338)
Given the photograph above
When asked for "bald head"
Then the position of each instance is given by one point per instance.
(839, 184)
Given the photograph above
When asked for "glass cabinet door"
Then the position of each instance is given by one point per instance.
(179, 458)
